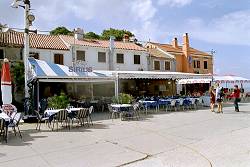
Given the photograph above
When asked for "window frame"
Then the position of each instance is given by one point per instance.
(137, 59)
(98, 58)
(159, 65)
(84, 58)
(169, 65)
(198, 65)
(205, 62)
(120, 54)
(61, 61)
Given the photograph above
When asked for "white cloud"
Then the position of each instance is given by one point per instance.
(232, 28)
(174, 3)
(143, 9)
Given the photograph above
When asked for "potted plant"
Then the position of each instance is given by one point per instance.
(58, 102)
(123, 98)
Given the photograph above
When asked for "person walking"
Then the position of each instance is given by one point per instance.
(212, 98)
(236, 95)
(218, 96)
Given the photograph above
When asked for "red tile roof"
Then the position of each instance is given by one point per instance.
(171, 49)
(101, 43)
(39, 41)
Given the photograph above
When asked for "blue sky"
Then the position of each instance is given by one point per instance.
(222, 25)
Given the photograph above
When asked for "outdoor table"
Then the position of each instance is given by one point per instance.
(52, 112)
(122, 108)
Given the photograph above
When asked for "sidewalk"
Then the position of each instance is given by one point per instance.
(174, 139)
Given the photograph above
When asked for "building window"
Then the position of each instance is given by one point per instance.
(58, 59)
(80, 55)
(102, 57)
(205, 64)
(157, 65)
(194, 63)
(34, 55)
(137, 59)
(1, 54)
(198, 64)
(167, 65)
(119, 58)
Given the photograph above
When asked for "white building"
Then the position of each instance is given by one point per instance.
(65, 50)
(107, 55)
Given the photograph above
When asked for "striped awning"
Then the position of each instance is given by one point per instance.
(45, 70)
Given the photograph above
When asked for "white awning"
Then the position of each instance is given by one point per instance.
(159, 75)
(193, 81)
(230, 79)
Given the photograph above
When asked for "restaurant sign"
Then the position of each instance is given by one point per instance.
(80, 66)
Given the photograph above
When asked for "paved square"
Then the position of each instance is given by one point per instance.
(174, 139)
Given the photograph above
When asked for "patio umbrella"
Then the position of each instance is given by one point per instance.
(6, 87)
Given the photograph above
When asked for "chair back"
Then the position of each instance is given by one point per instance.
(82, 113)
(62, 115)
(193, 100)
(110, 108)
(181, 102)
(173, 102)
(91, 109)
(12, 116)
(2, 124)
(200, 100)
(39, 117)
(136, 106)
(17, 118)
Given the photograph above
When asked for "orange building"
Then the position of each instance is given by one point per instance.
(188, 59)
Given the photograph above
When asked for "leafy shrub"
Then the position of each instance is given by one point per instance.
(123, 98)
(58, 102)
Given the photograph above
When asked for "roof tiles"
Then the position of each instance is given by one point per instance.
(39, 41)
(101, 43)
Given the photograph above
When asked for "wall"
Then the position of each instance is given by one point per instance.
(201, 70)
(48, 55)
(91, 58)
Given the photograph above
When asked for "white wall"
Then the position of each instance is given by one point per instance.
(48, 55)
(91, 58)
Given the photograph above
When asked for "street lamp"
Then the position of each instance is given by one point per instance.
(28, 19)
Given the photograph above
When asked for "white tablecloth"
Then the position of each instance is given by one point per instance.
(5, 116)
(54, 111)
(120, 105)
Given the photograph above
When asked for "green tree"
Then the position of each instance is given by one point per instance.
(61, 31)
(91, 35)
(118, 34)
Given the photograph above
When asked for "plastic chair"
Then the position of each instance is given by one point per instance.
(89, 118)
(40, 119)
(113, 113)
(81, 115)
(61, 116)
(15, 123)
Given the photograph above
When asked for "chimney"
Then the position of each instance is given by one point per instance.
(187, 66)
(79, 33)
(125, 38)
(185, 41)
(175, 43)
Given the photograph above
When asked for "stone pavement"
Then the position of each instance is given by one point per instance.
(174, 139)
